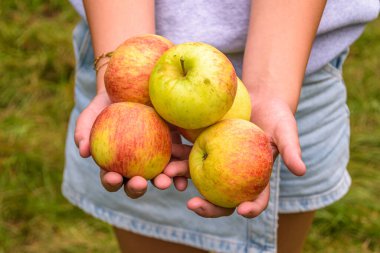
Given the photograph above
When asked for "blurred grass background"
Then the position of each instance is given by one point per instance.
(36, 96)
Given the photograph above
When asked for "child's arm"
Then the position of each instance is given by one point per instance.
(278, 46)
(279, 41)
(111, 23)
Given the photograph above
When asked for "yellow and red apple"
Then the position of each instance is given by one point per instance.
(129, 68)
(231, 162)
(131, 139)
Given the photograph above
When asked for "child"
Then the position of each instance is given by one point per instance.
(299, 101)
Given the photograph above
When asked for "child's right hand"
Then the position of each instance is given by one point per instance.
(134, 187)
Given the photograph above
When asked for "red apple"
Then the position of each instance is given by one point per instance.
(231, 162)
(131, 139)
(130, 66)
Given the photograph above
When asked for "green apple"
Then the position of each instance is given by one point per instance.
(231, 162)
(240, 109)
(131, 139)
(128, 70)
(192, 85)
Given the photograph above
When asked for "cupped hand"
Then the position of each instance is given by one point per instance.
(136, 186)
(278, 122)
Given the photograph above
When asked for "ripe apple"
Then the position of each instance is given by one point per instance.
(131, 139)
(192, 85)
(127, 74)
(240, 109)
(231, 162)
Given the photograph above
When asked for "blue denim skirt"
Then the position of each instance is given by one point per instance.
(323, 123)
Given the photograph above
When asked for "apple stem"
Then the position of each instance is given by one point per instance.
(205, 155)
(183, 66)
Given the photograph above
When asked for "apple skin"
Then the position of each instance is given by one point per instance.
(240, 109)
(128, 70)
(131, 139)
(231, 162)
(192, 85)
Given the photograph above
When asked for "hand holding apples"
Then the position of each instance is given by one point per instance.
(191, 86)
(231, 162)
(275, 117)
(112, 181)
(161, 86)
(130, 139)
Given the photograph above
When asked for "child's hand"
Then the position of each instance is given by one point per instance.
(179, 171)
(85, 121)
(135, 187)
(277, 120)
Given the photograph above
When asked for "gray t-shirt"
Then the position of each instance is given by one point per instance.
(224, 24)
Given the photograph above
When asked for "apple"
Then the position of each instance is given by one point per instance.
(231, 162)
(192, 85)
(240, 109)
(131, 139)
(128, 70)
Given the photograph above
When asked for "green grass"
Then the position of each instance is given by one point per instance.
(353, 224)
(36, 84)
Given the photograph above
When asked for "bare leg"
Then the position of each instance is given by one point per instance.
(293, 230)
(134, 243)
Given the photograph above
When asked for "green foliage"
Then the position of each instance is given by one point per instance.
(353, 224)
(36, 84)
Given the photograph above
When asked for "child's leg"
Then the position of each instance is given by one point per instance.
(292, 231)
(134, 243)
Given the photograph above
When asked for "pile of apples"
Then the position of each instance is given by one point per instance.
(193, 86)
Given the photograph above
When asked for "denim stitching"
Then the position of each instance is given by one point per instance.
(316, 201)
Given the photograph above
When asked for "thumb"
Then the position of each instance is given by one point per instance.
(286, 139)
(85, 121)
(82, 132)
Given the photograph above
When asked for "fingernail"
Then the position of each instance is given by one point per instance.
(139, 191)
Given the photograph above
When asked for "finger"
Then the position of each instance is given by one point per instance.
(136, 187)
(251, 209)
(180, 183)
(82, 132)
(206, 209)
(181, 151)
(287, 142)
(177, 168)
(111, 181)
(176, 137)
(162, 181)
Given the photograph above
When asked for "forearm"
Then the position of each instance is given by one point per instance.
(112, 22)
(278, 45)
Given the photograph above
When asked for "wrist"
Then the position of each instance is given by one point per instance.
(264, 93)
(100, 85)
